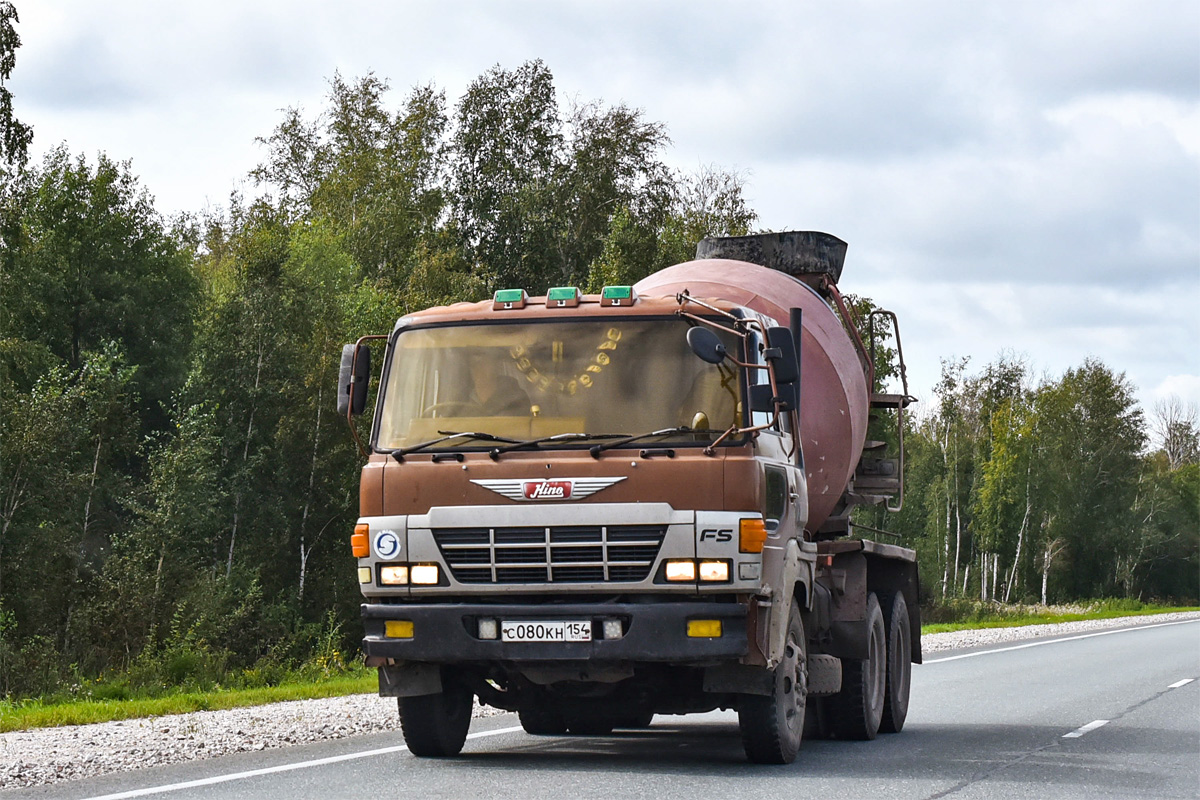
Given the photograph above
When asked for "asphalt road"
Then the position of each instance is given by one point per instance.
(1108, 714)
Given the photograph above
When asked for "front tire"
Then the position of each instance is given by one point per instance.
(773, 726)
(436, 725)
(899, 665)
(857, 710)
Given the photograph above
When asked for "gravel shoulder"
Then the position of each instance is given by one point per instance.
(51, 755)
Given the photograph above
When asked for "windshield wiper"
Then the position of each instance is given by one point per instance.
(559, 437)
(401, 452)
(596, 450)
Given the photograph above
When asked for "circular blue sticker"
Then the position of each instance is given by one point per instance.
(387, 544)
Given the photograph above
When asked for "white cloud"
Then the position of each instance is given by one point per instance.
(1184, 387)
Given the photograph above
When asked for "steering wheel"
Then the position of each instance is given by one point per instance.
(443, 408)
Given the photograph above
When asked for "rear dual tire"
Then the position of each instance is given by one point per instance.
(857, 710)
(899, 664)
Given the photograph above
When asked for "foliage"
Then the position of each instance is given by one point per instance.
(87, 260)
(100, 701)
(1020, 491)
(958, 614)
(15, 136)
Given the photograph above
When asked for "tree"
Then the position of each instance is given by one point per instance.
(374, 176)
(539, 200)
(1092, 432)
(15, 136)
(662, 225)
(1176, 427)
(62, 445)
(90, 261)
(505, 149)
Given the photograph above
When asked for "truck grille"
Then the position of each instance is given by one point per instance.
(564, 554)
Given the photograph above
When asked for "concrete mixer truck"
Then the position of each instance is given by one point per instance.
(594, 508)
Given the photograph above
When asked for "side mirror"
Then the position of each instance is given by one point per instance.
(781, 352)
(706, 345)
(353, 377)
(781, 355)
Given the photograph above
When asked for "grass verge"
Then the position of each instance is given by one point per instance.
(995, 616)
(36, 714)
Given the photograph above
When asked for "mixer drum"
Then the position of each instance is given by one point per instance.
(834, 400)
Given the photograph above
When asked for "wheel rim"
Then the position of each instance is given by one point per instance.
(794, 681)
(904, 656)
(878, 671)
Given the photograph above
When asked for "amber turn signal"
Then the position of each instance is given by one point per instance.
(359, 542)
(704, 628)
(398, 629)
(752, 534)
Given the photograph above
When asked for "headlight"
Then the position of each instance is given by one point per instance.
(681, 570)
(424, 574)
(714, 570)
(393, 575)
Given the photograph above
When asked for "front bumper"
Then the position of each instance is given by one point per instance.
(447, 633)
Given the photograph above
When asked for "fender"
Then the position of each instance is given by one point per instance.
(798, 568)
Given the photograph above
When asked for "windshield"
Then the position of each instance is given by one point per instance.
(531, 380)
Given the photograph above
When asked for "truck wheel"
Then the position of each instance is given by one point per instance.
(541, 721)
(435, 725)
(773, 726)
(857, 709)
(899, 665)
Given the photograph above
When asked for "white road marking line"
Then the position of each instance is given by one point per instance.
(254, 773)
(1056, 641)
(1091, 726)
(1183, 682)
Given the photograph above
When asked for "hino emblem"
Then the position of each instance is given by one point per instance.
(545, 489)
(548, 490)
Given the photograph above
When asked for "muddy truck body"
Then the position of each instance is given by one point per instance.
(592, 509)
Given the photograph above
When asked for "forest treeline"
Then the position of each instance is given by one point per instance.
(176, 493)
(1047, 489)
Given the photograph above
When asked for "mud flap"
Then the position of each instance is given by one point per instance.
(409, 680)
(797, 568)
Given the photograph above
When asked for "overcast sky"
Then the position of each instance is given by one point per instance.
(1011, 176)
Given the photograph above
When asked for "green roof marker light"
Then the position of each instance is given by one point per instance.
(562, 297)
(508, 299)
(618, 296)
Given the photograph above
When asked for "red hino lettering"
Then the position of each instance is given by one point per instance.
(547, 490)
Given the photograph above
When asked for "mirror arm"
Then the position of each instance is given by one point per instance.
(695, 320)
(683, 298)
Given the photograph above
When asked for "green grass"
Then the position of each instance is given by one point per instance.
(53, 712)
(992, 616)
(38, 714)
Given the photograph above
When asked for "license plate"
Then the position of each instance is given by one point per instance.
(545, 631)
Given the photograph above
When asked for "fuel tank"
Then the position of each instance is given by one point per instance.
(834, 399)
